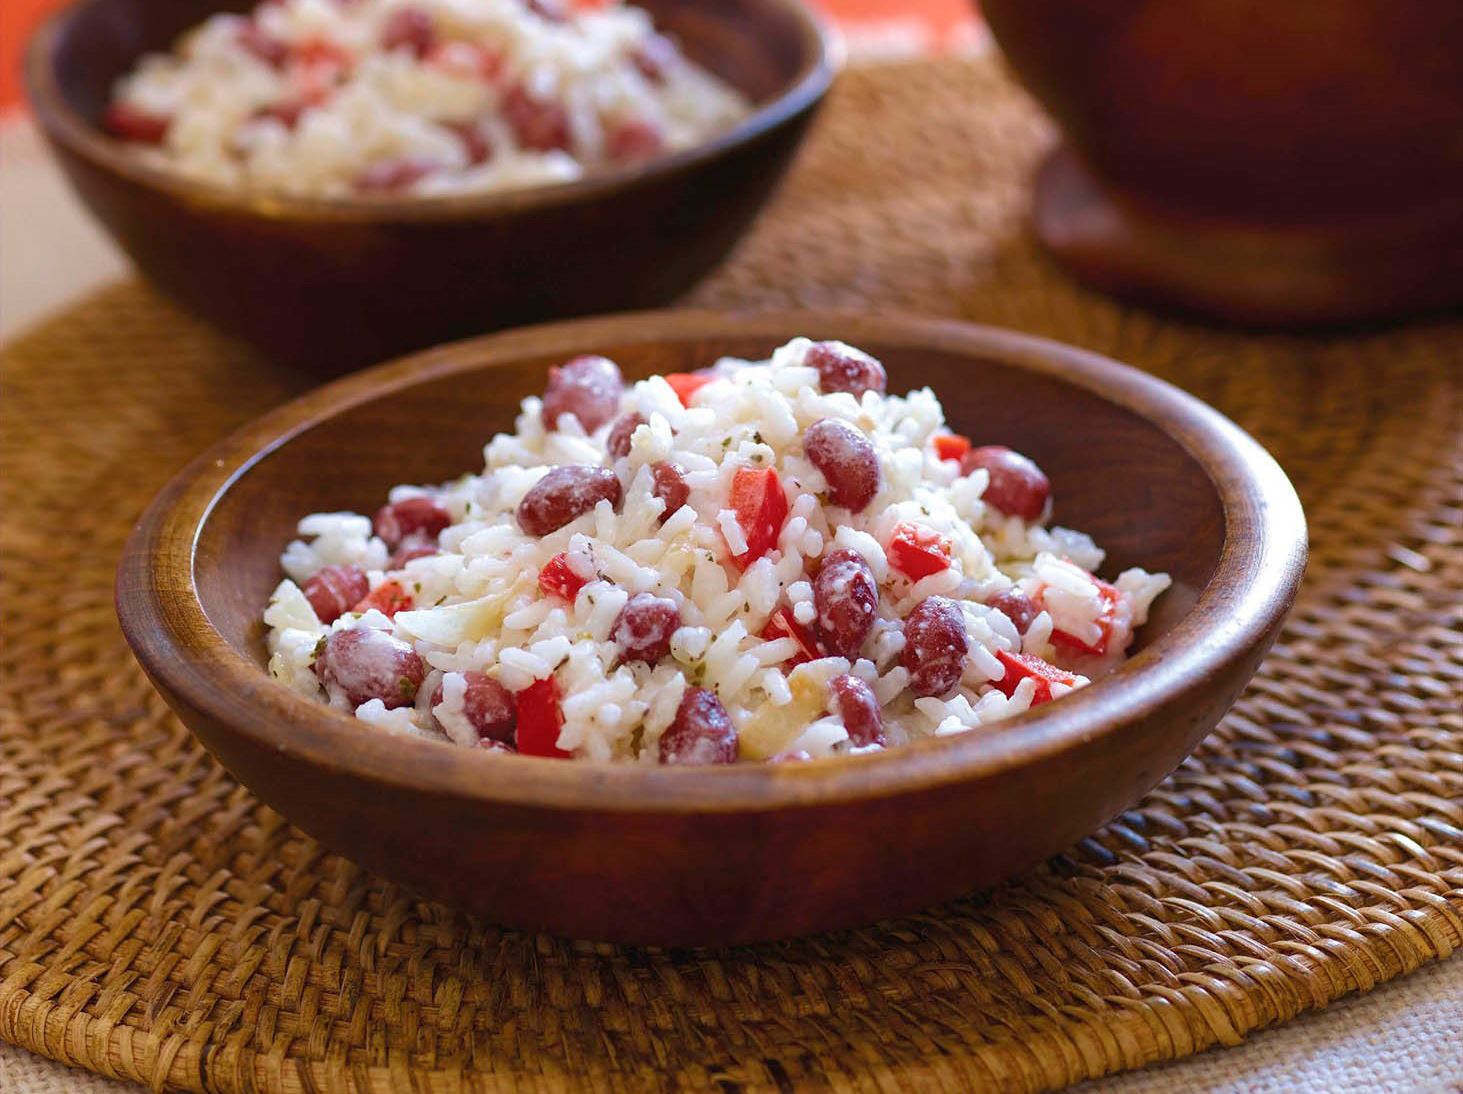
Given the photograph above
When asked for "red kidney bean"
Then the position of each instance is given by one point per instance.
(855, 703)
(369, 664)
(487, 705)
(644, 627)
(409, 28)
(552, 10)
(418, 516)
(847, 459)
(633, 141)
(702, 732)
(617, 444)
(654, 57)
(1017, 488)
(412, 548)
(540, 125)
(843, 368)
(287, 112)
(1016, 606)
(477, 145)
(563, 494)
(394, 176)
(587, 387)
(847, 599)
(252, 38)
(334, 590)
(669, 485)
(934, 646)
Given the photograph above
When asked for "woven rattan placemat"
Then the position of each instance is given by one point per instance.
(158, 923)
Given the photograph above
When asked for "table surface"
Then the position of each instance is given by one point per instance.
(1406, 1035)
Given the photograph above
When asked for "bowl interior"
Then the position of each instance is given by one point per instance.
(759, 46)
(1115, 475)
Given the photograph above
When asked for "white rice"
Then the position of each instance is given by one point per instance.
(221, 101)
(482, 609)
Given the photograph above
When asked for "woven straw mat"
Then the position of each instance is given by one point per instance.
(158, 923)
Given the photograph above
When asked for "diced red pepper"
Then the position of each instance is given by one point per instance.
(917, 551)
(388, 598)
(951, 446)
(315, 68)
(1105, 621)
(323, 53)
(1023, 666)
(783, 625)
(130, 123)
(760, 504)
(540, 719)
(558, 579)
(686, 384)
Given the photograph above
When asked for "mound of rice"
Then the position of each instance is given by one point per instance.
(331, 98)
(450, 582)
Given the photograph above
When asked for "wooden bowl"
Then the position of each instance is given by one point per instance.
(720, 855)
(1259, 162)
(333, 284)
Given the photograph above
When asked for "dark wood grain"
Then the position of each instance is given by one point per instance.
(333, 284)
(660, 855)
(1257, 162)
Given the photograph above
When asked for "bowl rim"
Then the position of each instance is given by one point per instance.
(821, 44)
(1238, 610)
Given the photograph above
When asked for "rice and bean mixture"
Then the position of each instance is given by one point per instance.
(335, 98)
(766, 560)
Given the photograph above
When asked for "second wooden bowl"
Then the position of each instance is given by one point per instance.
(334, 284)
(727, 855)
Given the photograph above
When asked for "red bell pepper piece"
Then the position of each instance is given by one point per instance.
(1105, 621)
(686, 384)
(558, 579)
(951, 446)
(781, 624)
(540, 719)
(388, 598)
(1023, 666)
(322, 53)
(132, 124)
(760, 504)
(917, 551)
